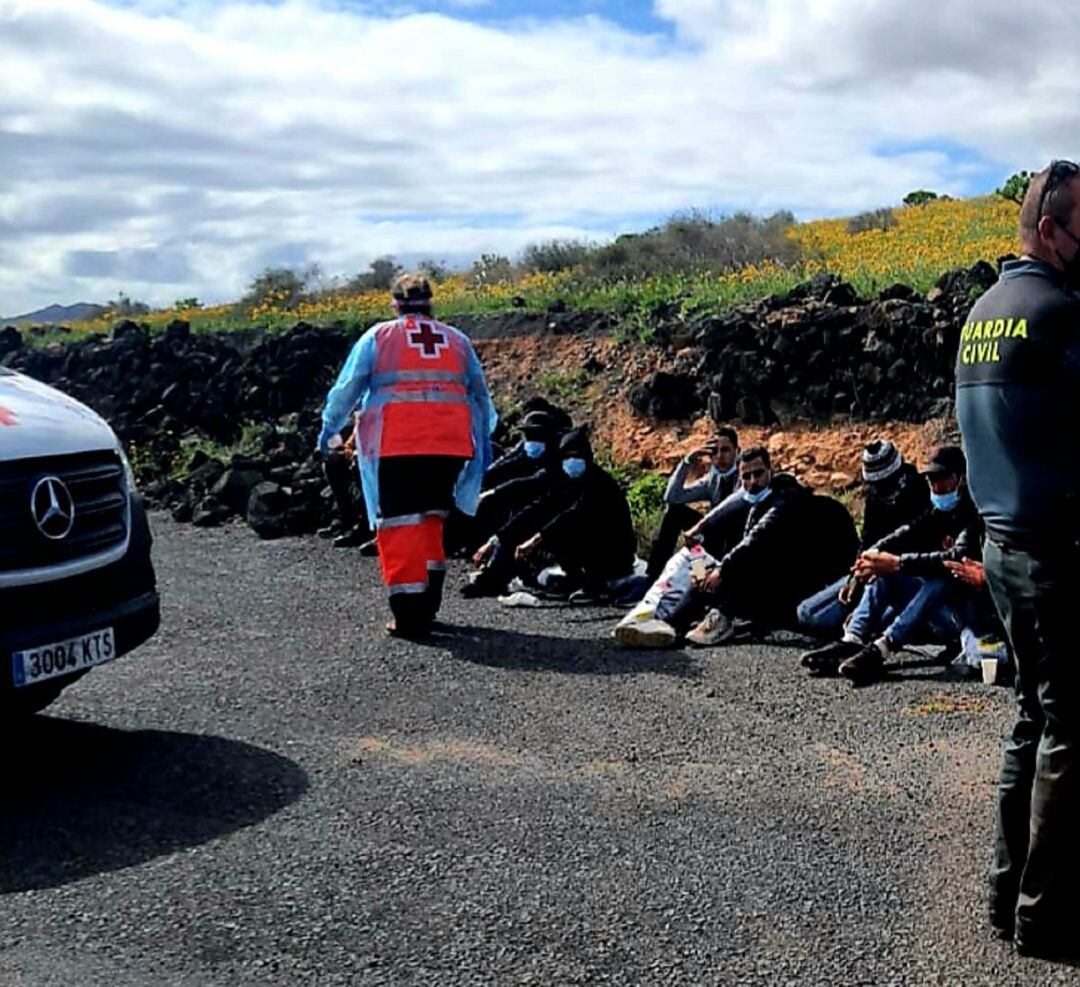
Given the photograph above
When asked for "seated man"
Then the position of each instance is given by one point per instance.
(350, 528)
(582, 523)
(907, 582)
(659, 617)
(895, 496)
(715, 485)
(542, 426)
(790, 540)
(515, 479)
(522, 475)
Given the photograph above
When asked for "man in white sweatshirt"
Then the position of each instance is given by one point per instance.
(713, 486)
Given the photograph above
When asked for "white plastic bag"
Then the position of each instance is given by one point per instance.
(671, 592)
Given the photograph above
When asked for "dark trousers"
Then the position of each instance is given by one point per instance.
(1034, 872)
(416, 494)
(341, 475)
(677, 519)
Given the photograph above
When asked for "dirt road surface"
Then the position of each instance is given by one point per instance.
(272, 792)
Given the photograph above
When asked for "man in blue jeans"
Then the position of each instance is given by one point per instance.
(907, 581)
(895, 496)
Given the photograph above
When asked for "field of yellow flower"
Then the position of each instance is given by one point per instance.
(924, 242)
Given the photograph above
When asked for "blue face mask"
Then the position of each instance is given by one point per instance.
(946, 501)
(758, 497)
(574, 468)
(534, 449)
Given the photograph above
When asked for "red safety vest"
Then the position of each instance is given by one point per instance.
(420, 384)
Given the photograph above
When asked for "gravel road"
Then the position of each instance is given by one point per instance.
(272, 792)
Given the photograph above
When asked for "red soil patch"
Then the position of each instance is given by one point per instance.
(592, 378)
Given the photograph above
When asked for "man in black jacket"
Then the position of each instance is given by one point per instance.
(541, 431)
(1018, 404)
(907, 582)
(582, 522)
(518, 478)
(895, 496)
(785, 521)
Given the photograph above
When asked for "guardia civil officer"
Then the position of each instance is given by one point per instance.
(1018, 405)
(423, 442)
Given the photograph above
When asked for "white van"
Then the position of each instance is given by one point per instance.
(77, 585)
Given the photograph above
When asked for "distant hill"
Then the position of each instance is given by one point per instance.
(56, 314)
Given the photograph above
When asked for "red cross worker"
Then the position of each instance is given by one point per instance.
(423, 443)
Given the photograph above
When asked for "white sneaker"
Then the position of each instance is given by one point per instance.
(651, 633)
(713, 629)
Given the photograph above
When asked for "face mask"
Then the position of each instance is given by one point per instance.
(756, 498)
(534, 449)
(574, 468)
(945, 502)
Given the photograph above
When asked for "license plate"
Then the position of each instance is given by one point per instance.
(62, 658)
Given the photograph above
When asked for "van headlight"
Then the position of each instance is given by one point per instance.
(129, 473)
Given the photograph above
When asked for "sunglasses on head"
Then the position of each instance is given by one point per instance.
(1058, 174)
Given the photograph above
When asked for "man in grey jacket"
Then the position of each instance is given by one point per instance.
(713, 486)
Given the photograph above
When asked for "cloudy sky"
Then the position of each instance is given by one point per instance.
(170, 148)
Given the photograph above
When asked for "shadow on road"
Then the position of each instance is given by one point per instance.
(500, 648)
(80, 799)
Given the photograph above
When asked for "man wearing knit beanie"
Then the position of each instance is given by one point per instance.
(895, 495)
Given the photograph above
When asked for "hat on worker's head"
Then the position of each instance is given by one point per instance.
(944, 460)
(576, 443)
(411, 289)
(880, 460)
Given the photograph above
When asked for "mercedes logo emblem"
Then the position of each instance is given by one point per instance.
(52, 508)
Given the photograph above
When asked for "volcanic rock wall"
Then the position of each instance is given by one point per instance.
(817, 352)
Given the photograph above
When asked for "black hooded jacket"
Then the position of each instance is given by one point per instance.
(585, 520)
(893, 502)
(935, 537)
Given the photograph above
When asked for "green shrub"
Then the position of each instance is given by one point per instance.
(920, 197)
(491, 269)
(694, 242)
(554, 255)
(1016, 186)
(645, 495)
(279, 287)
(560, 387)
(877, 219)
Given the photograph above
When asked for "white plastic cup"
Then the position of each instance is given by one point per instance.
(989, 670)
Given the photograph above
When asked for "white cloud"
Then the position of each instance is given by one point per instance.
(171, 147)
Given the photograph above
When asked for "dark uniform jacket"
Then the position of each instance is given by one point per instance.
(1018, 405)
(935, 537)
